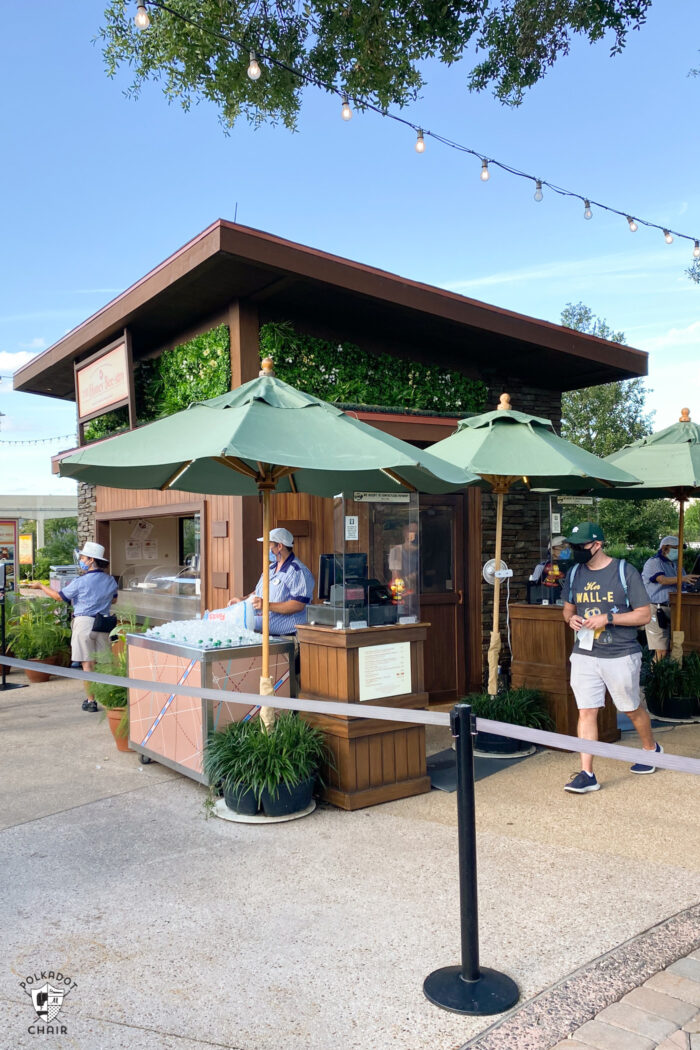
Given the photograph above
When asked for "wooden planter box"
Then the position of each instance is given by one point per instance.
(376, 761)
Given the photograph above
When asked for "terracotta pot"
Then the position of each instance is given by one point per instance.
(44, 676)
(114, 717)
(118, 647)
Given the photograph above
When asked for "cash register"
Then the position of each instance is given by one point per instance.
(348, 595)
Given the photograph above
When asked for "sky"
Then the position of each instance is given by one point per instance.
(96, 189)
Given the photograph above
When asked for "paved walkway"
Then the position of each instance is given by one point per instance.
(187, 933)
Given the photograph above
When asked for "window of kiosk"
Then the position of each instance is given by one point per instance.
(156, 561)
(436, 549)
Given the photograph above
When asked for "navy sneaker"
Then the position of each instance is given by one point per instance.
(639, 767)
(89, 705)
(582, 783)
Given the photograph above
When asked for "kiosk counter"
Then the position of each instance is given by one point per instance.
(172, 728)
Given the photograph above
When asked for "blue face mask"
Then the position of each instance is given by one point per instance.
(565, 554)
(272, 557)
(673, 554)
(84, 565)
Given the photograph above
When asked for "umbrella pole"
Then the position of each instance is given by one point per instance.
(495, 643)
(678, 636)
(267, 714)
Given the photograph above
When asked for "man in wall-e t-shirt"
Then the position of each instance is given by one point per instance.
(604, 609)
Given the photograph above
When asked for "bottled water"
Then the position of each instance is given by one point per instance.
(204, 634)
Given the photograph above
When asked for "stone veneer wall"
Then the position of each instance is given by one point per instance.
(87, 509)
(523, 516)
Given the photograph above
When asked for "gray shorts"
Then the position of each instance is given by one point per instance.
(85, 643)
(591, 676)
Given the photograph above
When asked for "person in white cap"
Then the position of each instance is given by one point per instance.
(291, 586)
(90, 594)
(660, 575)
(559, 550)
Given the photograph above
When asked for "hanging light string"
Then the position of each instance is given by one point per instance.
(40, 441)
(254, 71)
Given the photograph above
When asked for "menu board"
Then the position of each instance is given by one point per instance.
(385, 670)
(8, 550)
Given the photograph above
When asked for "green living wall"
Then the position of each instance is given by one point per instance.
(338, 372)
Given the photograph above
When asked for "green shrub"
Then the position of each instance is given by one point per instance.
(519, 707)
(38, 628)
(245, 756)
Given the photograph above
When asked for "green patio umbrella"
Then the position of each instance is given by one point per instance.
(508, 449)
(264, 436)
(668, 466)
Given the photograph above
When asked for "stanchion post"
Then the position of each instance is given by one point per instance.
(468, 988)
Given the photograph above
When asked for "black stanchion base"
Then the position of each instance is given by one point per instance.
(13, 685)
(491, 993)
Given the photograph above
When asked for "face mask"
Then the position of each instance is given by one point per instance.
(272, 557)
(673, 555)
(582, 555)
(565, 555)
(84, 565)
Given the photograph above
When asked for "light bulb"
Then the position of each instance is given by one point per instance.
(633, 224)
(696, 250)
(538, 190)
(587, 213)
(346, 112)
(485, 173)
(667, 237)
(141, 18)
(254, 70)
(420, 142)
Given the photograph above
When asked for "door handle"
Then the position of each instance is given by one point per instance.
(460, 595)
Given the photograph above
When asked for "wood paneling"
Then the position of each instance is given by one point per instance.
(542, 644)
(690, 620)
(375, 760)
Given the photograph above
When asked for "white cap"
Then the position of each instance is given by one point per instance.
(282, 536)
(669, 541)
(558, 541)
(94, 550)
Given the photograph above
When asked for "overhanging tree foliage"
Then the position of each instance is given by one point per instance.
(373, 50)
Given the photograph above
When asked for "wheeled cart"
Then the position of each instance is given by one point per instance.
(171, 728)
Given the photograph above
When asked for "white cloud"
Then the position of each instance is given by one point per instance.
(11, 362)
(675, 338)
(34, 344)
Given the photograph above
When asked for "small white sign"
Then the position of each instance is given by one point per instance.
(352, 527)
(575, 501)
(142, 529)
(385, 670)
(150, 550)
(556, 523)
(133, 551)
(382, 497)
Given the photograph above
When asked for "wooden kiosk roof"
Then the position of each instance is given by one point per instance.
(334, 298)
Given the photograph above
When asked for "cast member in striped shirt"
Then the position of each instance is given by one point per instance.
(291, 586)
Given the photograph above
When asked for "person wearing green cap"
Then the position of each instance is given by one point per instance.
(605, 602)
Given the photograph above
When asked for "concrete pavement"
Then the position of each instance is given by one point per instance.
(184, 932)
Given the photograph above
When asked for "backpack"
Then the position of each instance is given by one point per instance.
(622, 565)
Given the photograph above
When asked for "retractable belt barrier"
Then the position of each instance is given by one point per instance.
(562, 742)
(466, 988)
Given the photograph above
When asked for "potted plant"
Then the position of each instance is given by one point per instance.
(672, 689)
(114, 698)
(521, 707)
(275, 769)
(39, 631)
(128, 624)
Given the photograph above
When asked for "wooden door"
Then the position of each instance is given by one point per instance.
(442, 598)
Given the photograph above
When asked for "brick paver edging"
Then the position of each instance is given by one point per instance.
(558, 1011)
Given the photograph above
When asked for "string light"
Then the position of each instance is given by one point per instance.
(254, 70)
(40, 441)
(346, 112)
(587, 213)
(381, 111)
(141, 18)
(667, 237)
(696, 250)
